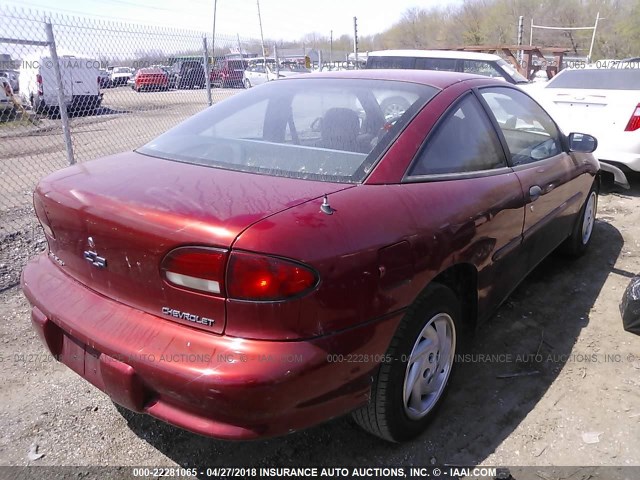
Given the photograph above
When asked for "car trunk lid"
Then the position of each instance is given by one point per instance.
(593, 110)
(115, 219)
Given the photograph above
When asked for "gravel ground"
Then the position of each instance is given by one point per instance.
(578, 403)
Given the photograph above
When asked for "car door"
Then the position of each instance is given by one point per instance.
(544, 168)
(467, 202)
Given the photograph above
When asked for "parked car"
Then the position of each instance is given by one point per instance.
(228, 72)
(121, 76)
(104, 79)
(80, 88)
(187, 74)
(484, 64)
(153, 79)
(257, 73)
(279, 259)
(14, 79)
(602, 101)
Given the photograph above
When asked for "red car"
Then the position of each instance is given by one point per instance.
(291, 255)
(151, 78)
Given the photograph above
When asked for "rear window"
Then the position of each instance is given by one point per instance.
(330, 130)
(237, 65)
(599, 79)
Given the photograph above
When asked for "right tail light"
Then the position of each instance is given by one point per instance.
(634, 121)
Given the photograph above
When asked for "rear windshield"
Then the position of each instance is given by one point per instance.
(330, 130)
(602, 79)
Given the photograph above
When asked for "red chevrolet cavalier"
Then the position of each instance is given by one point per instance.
(293, 253)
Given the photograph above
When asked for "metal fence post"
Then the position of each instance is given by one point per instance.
(207, 78)
(64, 118)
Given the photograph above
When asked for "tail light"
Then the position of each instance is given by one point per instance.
(263, 278)
(196, 268)
(249, 276)
(39, 81)
(634, 121)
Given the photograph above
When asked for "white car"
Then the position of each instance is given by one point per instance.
(485, 64)
(257, 74)
(120, 75)
(603, 102)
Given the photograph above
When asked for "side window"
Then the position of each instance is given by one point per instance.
(530, 133)
(446, 64)
(481, 68)
(464, 142)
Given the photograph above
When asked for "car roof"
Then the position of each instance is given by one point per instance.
(457, 54)
(439, 79)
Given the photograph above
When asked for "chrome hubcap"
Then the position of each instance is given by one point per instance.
(589, 217)
(393, 111)
(429, 366)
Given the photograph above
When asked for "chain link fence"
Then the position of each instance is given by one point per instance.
(81, 88)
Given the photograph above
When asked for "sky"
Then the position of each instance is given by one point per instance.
(281, 19)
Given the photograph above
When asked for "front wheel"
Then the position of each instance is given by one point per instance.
(409, 388)
(247, 83)
(580, 237)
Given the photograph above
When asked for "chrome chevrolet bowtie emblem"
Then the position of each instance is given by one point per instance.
(92, 257)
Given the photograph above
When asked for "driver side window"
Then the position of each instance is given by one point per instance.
(529, 132)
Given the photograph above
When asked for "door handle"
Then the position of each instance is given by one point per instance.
(534, 193)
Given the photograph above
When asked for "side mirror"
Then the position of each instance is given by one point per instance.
(583, 143)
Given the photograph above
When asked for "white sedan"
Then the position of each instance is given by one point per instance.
(604, 102)
(258, 73)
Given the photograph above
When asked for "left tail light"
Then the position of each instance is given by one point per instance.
(237, 275)
(634, 121)
(196, 268)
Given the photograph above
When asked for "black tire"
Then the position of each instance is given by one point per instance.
(247, 83)
(580, 239)
(387, 415)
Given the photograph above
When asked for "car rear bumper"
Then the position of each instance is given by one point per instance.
(219, 386)
(629, 160)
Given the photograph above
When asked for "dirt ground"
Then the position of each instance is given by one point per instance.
(565, 389)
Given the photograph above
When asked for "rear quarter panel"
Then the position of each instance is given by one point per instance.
(441, 223)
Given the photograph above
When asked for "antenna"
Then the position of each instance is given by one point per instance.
(325, 207)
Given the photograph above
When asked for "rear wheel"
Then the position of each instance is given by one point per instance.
(409, 388)
(394, 107)
(580, 237)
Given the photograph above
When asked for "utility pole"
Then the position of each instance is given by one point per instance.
(264, 52)
(355, 40)
(331, 48)
(213, 38)
(593, 37)
(520, 33)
